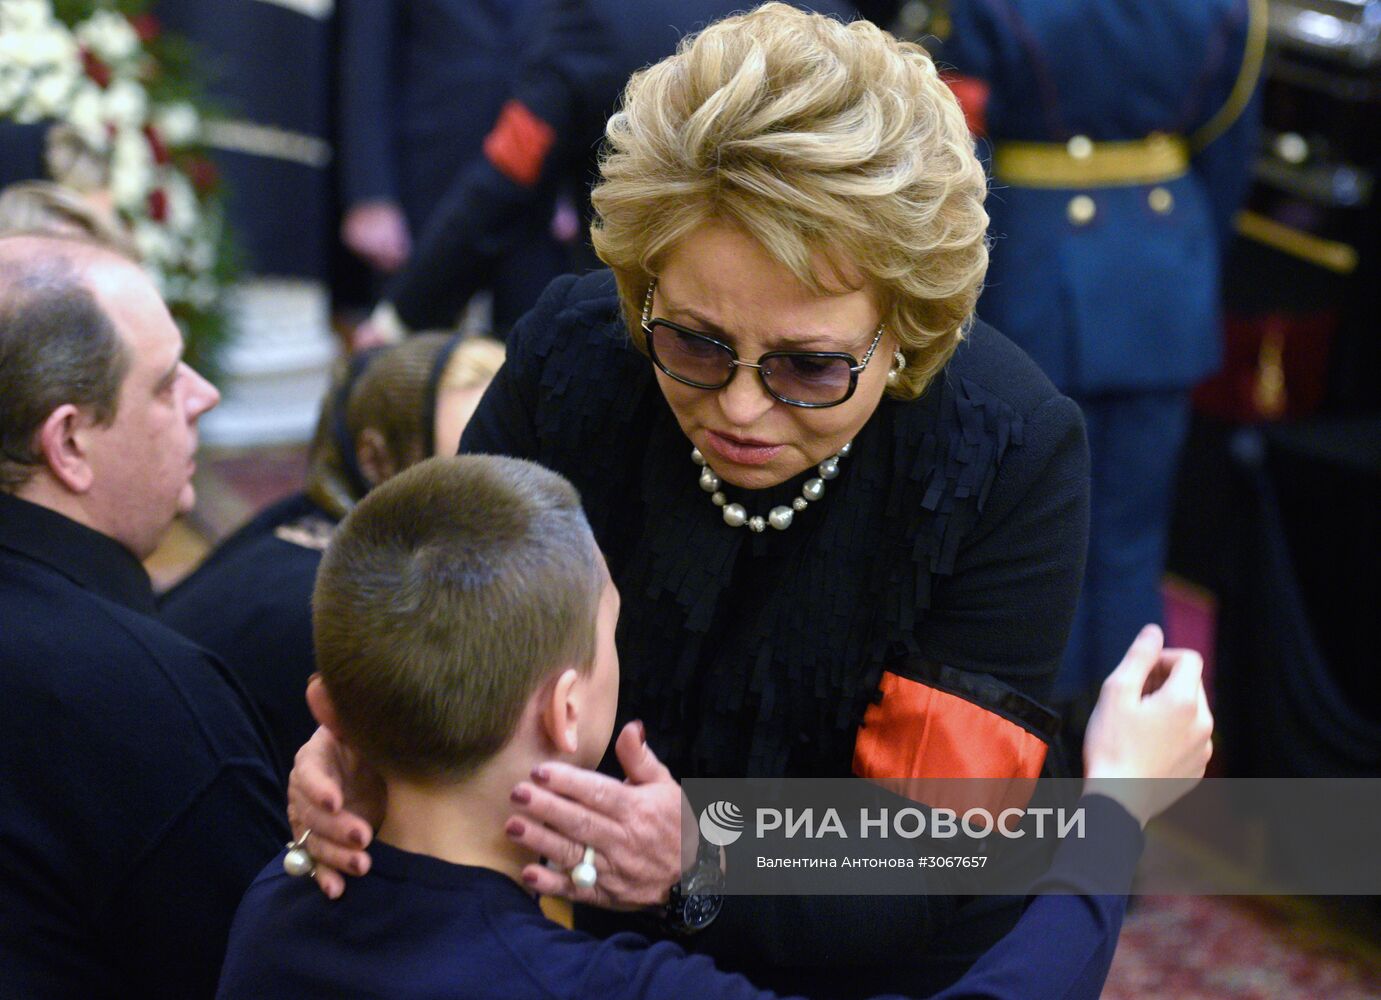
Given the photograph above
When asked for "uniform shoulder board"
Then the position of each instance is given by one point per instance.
(311, 531)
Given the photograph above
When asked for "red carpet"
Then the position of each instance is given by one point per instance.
(1215, 948)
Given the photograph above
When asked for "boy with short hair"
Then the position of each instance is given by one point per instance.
(464, 622)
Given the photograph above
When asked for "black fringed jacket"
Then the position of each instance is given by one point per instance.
(949, 551)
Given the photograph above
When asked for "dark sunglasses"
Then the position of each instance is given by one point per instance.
(811, 379)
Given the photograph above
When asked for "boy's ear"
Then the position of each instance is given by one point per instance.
(561, 712)
(323, 709)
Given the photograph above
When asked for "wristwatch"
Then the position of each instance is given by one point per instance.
(694, 907)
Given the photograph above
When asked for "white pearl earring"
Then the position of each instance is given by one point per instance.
(898, 365)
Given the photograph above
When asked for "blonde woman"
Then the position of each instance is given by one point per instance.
(847, 521)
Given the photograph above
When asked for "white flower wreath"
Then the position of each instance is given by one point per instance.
(90, 73)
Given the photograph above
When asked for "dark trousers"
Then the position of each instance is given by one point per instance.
(1134, 449)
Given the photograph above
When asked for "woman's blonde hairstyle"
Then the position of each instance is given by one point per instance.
(45, 207)
(815, 137)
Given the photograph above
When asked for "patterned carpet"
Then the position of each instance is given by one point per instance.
(1172, 947)
(1217, 948)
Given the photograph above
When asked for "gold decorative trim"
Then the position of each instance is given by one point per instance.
(1331, 255)
(1258, 17)
(1154, 160)
(269, 141)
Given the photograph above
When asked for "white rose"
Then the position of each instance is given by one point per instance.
(182, 204)
(154, 243)
(12, 87)
(84, 114)
(24, 15)
(126, 104)
(179, 123)
(44, 48)
(131, 171)
(52, 91)
(109, 36)
(13, 53)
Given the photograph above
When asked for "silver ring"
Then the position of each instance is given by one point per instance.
(584, 875)
(299, 861)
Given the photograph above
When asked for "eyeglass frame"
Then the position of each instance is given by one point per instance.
(855, 367)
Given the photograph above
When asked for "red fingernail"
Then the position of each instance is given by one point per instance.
(540, 774)
(529, 878)
(520, 795)
(515, 828)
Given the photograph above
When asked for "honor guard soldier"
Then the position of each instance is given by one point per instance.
(1121, 137)
(136, 797)
(421, 84)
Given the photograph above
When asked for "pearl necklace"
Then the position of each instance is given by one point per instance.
(779, 517)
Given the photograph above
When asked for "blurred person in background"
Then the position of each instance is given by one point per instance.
(575, 57)
(249, 603)
(1122, 136)
(421, 83)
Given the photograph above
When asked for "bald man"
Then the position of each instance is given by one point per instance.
(137, 800)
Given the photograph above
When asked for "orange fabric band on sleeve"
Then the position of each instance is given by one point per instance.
(519, 143)
(973, 98)
(918, 739)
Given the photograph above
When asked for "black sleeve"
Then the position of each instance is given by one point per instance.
(1008, 606)
(169, 923)
(565, 70)
(368, 106)
(506, 420)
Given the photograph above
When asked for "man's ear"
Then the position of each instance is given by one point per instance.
(371, 451)
(63, 441)
(561, 713)
(323, 709)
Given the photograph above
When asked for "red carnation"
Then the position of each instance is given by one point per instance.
(97, 70)
(146, 26)
(158, 205)
(156, 145)
(203, 175)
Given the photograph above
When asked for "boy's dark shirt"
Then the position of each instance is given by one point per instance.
(418, 927)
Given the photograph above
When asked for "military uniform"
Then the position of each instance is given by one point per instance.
(422, 82)
(1119, 137)
(136, 798)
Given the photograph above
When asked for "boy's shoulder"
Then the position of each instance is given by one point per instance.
(414, 927)
(417, 926)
